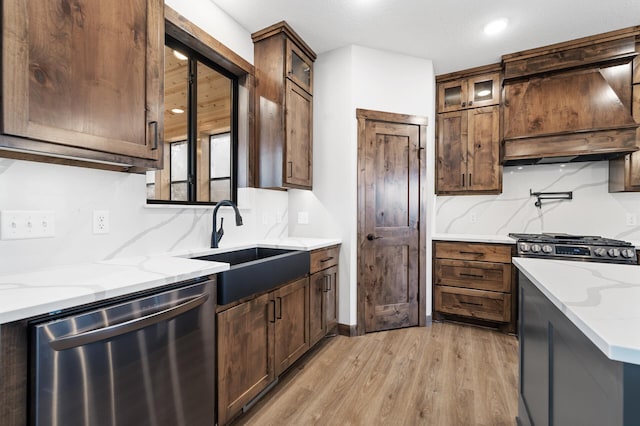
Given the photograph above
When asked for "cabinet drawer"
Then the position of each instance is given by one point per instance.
(324, 258)
(486, 305)
(474, 251)
(471, 274)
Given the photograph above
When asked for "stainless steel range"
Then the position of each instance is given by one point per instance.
(575, 247)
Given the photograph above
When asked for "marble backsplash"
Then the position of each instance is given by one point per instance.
(73, 193)
(592, 211)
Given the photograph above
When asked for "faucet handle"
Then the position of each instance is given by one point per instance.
(220, 231)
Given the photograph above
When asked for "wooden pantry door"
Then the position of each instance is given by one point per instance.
(391, 239)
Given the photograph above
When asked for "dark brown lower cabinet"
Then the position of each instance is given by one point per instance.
(292, 317)
(475, 282)
(257, 340)
(245, 348)
(323, 303)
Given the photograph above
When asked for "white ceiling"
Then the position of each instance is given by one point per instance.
(450, 32)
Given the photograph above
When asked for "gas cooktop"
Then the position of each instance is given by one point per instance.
(588, 248)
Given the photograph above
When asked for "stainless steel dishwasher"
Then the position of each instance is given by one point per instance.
(147, 361)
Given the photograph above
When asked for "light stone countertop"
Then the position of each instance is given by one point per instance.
(601, 299)
(35, 293)
(475, 238)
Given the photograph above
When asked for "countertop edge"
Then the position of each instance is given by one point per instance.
(93, 282)
(474, 238)
(614, 352)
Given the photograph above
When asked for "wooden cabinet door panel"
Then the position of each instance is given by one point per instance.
(451, 170)
(483, 149)
(292, 323)
(479, 275)
(299, 67)
(483, 90)
(331, 298)
(298, 115)
(87, 75)
(452, 95)
(317, 319)
(245, 348)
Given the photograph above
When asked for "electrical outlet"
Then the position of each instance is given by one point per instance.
(632, 219)
(24, 224)
(473, 218)
(100, 221)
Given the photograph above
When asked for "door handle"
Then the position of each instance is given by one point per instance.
(372, 237)
(127, 326)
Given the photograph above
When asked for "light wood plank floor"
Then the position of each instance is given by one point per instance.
(445, 374)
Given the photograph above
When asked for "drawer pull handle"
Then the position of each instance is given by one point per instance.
(475, 253)
(326, 259)
(462, 274)
(471, 303)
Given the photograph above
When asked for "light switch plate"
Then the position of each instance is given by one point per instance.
(303, 218)
(632, 219)
(26, 224)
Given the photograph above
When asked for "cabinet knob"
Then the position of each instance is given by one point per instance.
(470, 103)
(464, 104)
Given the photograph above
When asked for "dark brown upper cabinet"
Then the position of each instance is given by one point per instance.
(570, 101)
(470, 92)
(468, 132)
(83, 81)
(624, 172)
(284, 108)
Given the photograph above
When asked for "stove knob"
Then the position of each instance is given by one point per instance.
(547, 248)
(628, 253)
(524, 247)
(600, 252)
(614, 252)
(535, 248)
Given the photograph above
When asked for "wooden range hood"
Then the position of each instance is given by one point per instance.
(572, 101)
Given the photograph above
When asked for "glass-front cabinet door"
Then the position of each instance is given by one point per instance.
(472, 92)
(483, 90)
(452, 96)
(299, 67)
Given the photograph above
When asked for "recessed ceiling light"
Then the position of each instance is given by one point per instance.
(177, 111)
(494, 27)
(179, 55)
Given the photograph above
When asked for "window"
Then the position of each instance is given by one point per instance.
(199, 131)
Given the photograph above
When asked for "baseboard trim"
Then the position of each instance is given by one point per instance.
(429, 321)
(347, 330)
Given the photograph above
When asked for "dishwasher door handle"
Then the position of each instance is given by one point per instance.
(127, 326)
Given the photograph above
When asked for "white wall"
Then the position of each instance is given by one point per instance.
(345, 79)
(74, 193)
(209, 17)
(592, 211)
